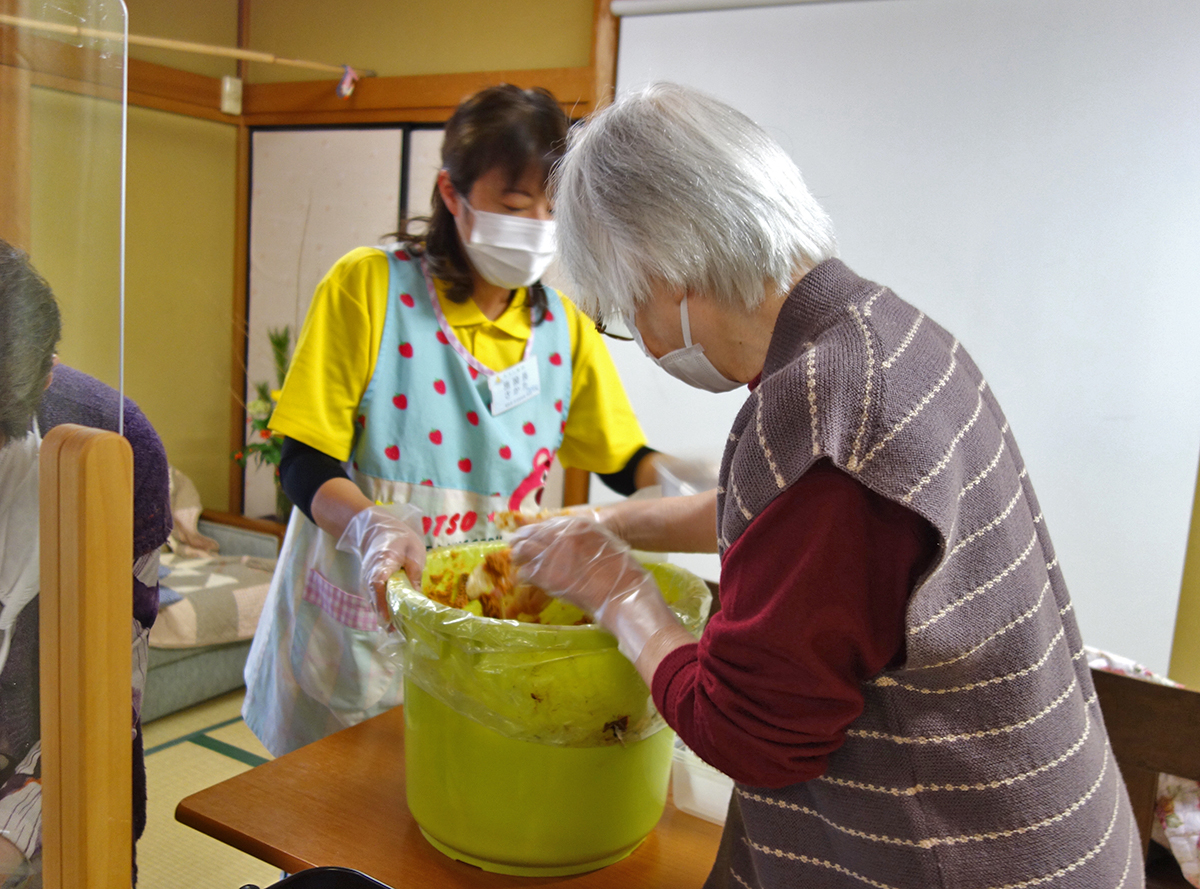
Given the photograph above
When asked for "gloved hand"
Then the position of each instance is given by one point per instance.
(578, 560)
(385, 539)
(612, 517)
(589, 513)
(608, 517)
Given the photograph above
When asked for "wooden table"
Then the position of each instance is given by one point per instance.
(340, 801)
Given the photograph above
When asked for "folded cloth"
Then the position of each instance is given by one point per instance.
(221, 598)
(186, 538)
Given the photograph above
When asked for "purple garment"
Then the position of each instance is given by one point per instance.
(74, 397)
(20, 725)
(981, 758)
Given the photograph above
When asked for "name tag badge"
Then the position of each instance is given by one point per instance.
(514, 386)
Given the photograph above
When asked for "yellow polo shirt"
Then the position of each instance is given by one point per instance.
(339, 343)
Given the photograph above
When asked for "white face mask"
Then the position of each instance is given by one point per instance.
(688, 364)
(18, 532)
(509, 251)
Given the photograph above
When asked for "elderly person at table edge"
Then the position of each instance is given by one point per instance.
(37, 394)
(895, 678)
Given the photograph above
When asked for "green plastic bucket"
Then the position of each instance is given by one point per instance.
(530, 749)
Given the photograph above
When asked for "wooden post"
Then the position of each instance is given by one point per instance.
(241, 315)
(606, 29)
(576, 486)
(15, 145)
(241, 284)
(86, 613)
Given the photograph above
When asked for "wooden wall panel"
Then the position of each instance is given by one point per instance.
(428, 97)
(14, 142)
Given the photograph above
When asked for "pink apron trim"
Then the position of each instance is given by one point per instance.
(347, 609)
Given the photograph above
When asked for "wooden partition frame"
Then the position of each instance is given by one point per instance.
(86, 613)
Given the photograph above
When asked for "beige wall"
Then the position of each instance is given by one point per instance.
(179, 264)
(447, 36)
(75, 222)
(212, 22)
(179, 312)
(386, 36)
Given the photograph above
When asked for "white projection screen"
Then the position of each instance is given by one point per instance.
(1028, 173)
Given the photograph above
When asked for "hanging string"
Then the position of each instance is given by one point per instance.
(229, 52)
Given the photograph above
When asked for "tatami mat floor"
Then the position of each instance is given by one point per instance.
(186, 752)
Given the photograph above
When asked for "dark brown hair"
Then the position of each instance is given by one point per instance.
(501, 126)
(30, 328)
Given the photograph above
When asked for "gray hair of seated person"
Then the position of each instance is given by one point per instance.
(670, 185)
(30, 328)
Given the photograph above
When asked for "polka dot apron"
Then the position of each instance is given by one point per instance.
(426, 434)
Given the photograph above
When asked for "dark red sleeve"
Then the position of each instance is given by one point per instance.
(813, 597)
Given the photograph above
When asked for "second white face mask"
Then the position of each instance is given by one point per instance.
(688, 364)
(509, 251)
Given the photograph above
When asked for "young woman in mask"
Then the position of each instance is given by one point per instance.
(433, 383)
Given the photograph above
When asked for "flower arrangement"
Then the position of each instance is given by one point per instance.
(263, 445)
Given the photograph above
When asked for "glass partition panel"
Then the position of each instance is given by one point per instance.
(76, 139)
(62, 114)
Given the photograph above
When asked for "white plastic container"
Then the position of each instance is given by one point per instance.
(697, 788)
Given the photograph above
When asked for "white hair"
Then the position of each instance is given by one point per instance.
(670, 185)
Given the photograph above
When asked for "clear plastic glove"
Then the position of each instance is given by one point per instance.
(385, 539)
(612, 517)
(578, 560)
(608, 517)
(585, 511)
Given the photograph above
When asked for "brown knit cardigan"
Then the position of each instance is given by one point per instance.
(983, 761)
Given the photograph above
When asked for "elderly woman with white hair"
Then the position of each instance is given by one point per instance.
(895, 678)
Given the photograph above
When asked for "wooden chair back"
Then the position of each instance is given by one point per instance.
(1154, 729)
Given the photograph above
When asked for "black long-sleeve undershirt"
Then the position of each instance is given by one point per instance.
(302, 471)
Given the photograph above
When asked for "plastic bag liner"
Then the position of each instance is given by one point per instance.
(561, 685)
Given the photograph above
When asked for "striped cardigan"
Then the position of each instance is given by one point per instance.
(983, 761)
